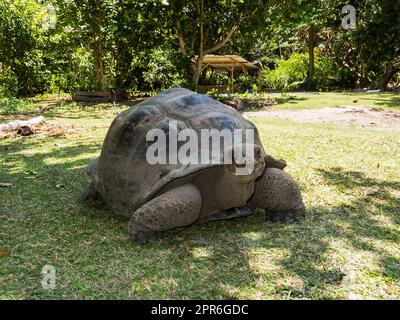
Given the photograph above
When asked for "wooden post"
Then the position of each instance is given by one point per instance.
(232, 69)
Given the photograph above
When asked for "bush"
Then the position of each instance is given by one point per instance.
(8, 92)
(161, 73)
(246, 82)
(8, 83)
(326, 73)
(10, 105)
(290, 74)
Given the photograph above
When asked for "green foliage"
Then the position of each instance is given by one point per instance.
(287, 74)
(326, 73)
(161, 73)
(363, 54)
(246, 82)
(137, 45)
(9, 105)
(291, 73)
(8, 83)
(20, 38)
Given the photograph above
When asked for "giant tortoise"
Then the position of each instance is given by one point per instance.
(156, 197)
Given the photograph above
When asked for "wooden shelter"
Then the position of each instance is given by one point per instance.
(230, 63)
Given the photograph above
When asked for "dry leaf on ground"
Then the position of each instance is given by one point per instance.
(4, 252)
(370, 192)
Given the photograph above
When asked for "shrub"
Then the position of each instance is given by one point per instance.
(161, 73)
(288, 73)
(10, 105)
(326, 73)
(291, 73)
(8, 83)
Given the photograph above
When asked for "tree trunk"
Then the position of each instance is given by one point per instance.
(197, 70)
(387, 76)
(200, 58)
(123, 71)
(311, 64)
(99, 65)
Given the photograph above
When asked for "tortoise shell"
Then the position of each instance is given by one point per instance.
(123, 175)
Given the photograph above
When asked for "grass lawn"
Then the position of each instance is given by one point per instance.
(347, 247)
(306, 100)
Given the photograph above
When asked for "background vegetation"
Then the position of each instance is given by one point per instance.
(348, 246)
(130, 45)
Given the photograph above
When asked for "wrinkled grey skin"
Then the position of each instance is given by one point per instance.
(156, 198)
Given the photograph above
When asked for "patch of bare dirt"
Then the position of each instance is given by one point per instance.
(346, 116)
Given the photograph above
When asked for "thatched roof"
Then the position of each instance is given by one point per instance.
(227, 62)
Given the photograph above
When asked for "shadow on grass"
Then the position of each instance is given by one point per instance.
(385, 100)
(70, 109)
(290, 99)
(307, 244)
(355, 223)
(216, 260)
(393, 102)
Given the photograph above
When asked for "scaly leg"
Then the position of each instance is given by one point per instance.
(176, 208)
(279, 195)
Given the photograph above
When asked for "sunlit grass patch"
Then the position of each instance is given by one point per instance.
(347, 247)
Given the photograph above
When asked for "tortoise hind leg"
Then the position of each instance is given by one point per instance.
(227, 214)
(271, 162)
(91, 194)
(176, 208)
(279, 195)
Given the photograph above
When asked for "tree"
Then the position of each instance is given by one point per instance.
(309, 20)
(91, 21)
(139, 29)
(21, 36)
(379, 34)
(206, 26)
(370, 54)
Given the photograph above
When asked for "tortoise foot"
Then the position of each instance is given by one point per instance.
(285, 216)
(90, 195)
(144, 237)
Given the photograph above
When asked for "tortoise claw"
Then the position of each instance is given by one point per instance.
(90, 195)
(144, 237)
(285, 216)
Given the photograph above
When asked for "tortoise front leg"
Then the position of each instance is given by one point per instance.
(176, 208)
(279, 195)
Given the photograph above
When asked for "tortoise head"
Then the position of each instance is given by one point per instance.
(247, 162)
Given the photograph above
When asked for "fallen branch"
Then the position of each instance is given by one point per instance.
(20, 124)
(37, 126)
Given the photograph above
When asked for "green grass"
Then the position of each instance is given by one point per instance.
(306, 100)
(347, 247)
